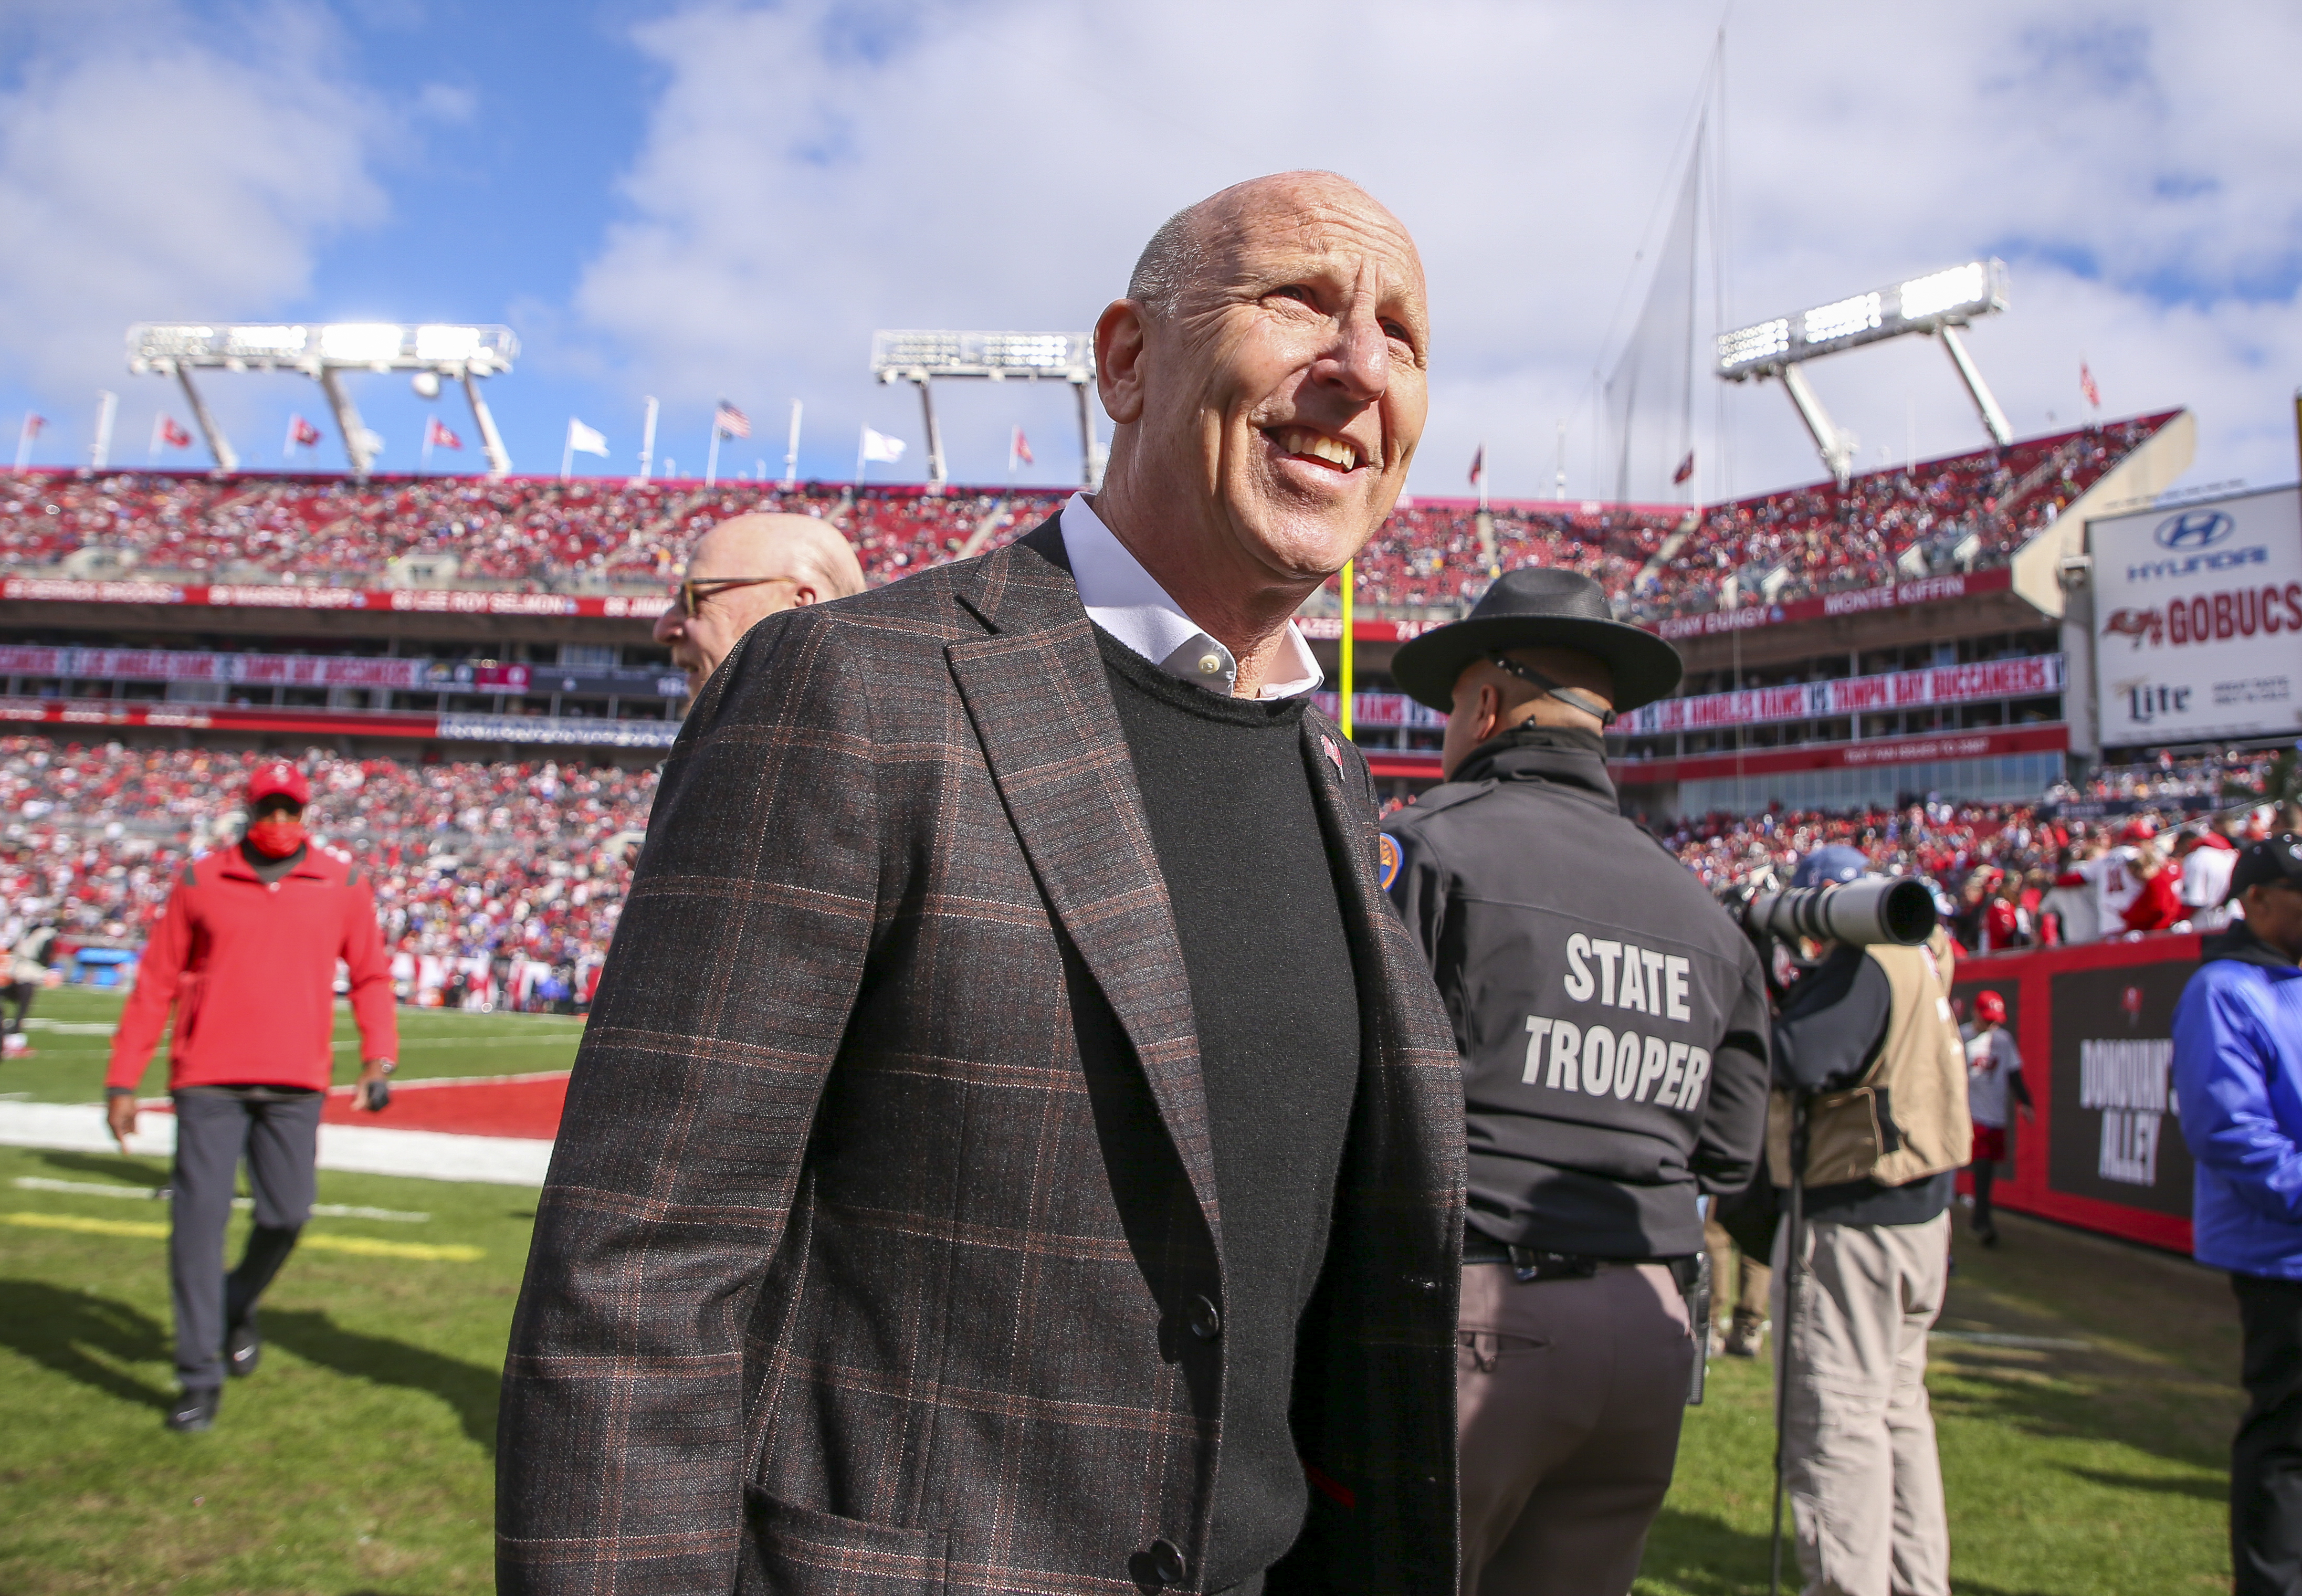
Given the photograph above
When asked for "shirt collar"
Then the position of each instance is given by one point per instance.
(1127, 601)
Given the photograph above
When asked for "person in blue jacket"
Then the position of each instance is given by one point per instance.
(2237, 1075)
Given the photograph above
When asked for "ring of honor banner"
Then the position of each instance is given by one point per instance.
(2094, 1025)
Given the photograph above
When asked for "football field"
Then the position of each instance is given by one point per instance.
(2085, 1389)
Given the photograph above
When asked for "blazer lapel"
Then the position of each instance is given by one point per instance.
(1349, 838)
(1036, 693)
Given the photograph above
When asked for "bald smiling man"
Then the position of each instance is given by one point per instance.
(1016, 1149)
(741, 572)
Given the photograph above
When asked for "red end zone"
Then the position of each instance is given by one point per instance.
(518, 1105)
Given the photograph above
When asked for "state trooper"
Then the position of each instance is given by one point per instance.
(1612, 1022)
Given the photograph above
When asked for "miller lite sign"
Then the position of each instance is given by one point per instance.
(2198, 620)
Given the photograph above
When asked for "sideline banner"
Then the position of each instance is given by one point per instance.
(2198, 620)
(2094, 1025)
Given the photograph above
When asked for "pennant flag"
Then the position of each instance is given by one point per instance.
(585, 440)
(1020, 450)
(2086, 386)
(880, 448)
(436, 433)
(729, 421)
(1686, 468)
(302, 432)
(1479, 465)
(173, 435)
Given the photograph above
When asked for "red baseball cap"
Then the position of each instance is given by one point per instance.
(2138, 831)
(1991, 1007)
(277, 775)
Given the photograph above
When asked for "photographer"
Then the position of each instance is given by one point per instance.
(1871, 1108)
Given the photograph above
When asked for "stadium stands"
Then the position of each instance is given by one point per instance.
(469, 861)
(603, 535)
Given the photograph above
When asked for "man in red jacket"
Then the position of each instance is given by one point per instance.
(247, 955)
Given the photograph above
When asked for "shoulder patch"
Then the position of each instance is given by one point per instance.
(1387, 858)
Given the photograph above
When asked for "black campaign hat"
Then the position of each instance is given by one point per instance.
(1538, 608)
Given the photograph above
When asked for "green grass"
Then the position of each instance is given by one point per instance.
(70, 1032)
(2086, 1471)
(361, 1458)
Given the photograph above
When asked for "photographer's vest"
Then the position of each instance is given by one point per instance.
(1906, 1118)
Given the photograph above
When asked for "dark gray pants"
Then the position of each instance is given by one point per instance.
(214, 1130)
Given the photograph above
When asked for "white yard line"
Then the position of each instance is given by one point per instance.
(161, 1194)
(420, 1155)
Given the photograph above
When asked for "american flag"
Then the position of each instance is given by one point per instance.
(730, 422)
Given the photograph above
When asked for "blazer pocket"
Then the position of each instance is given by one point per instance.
(789, 1549)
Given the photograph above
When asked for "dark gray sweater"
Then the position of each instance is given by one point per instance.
(1233, 822)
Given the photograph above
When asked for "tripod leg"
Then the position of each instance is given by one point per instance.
(1793, 1250)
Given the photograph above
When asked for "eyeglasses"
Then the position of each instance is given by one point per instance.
(693, 591)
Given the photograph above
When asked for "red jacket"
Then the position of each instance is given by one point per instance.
(2157, 906)
(251, 970)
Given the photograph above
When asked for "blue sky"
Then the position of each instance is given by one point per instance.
(720, 199)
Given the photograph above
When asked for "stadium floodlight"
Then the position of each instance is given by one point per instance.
(1935, 304)
(921, 356)
(324, 352)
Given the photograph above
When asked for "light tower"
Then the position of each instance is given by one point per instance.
(1937, 304)
(921, 357)
(324, 352)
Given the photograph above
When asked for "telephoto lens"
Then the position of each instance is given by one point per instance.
(1874, 909)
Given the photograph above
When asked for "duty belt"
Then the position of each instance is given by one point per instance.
(1533, 1263)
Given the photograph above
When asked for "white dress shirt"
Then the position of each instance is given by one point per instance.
(1125, 600)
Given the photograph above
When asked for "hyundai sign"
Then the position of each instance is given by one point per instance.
(2199, 621)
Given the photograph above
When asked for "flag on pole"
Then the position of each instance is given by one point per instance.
(33, 424)
(880, 449)
(729, 421)
(173, 435)
(24, 436)
(1020, 451)
(1686, 468)
(440, 435)
(301, 433)
(2086, 386)
(1479, 467)
(583, 440)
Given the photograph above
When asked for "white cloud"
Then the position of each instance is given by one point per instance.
(151, 169)
(814, 170)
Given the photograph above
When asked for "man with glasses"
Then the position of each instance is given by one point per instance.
(744, 570)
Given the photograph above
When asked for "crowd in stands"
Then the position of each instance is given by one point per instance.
(510, 875)
(2007, 876)
(1968, 511)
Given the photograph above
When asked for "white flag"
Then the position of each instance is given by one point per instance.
(880, 448)
(585, 440)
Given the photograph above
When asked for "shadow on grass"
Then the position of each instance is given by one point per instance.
(115, 1170)
(58, 1328)
(2205, 1491)
(469, 1388)
(1700, 1556)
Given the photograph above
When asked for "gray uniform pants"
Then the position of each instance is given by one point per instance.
(214, 1129)
(1569, 1394)
(1859, 1458)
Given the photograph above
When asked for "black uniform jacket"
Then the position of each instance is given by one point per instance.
(1612, 1018)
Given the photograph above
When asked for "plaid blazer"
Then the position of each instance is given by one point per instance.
(854, 1273)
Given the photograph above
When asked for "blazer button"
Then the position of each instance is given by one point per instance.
(1207, 1323)
(1165, 1562)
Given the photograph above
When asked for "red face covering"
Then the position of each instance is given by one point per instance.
(276, 836)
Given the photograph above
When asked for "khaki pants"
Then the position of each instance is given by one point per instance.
(1735, 1294)
(1859, 1438)
(1569, 1398)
